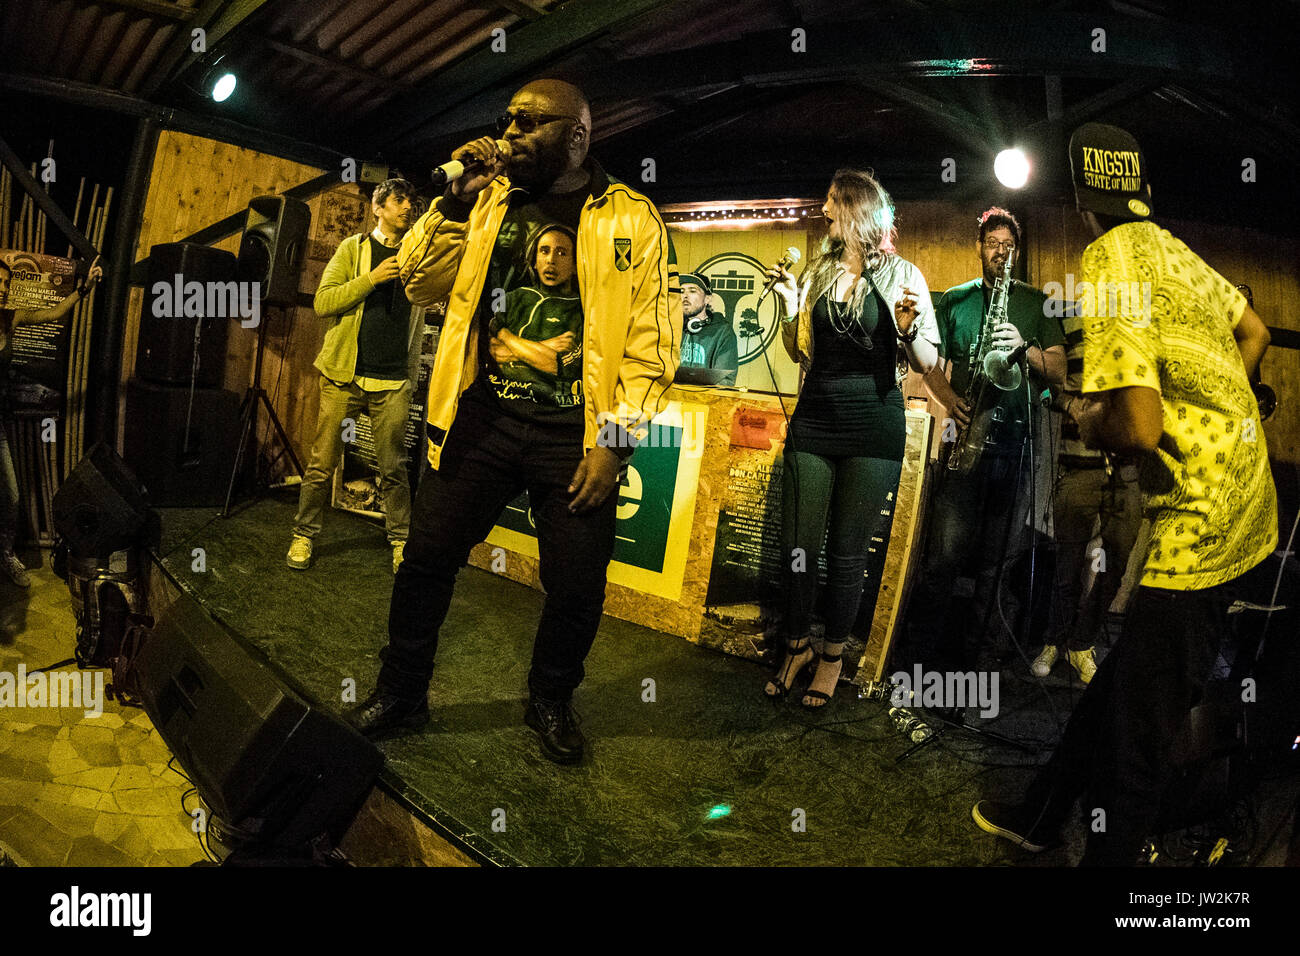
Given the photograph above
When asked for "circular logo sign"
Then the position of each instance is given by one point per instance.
(1138, 207)
(737, 280)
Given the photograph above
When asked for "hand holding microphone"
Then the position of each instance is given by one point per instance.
(475, 165)
(781, 281)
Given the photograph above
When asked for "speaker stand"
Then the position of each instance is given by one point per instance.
(254, 396)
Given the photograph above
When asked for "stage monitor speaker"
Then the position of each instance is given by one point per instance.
(102, 508)
(181, 446)
(167, 344)
(272, 247)
(275, 770)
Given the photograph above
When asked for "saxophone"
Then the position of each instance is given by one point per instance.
(989, 368)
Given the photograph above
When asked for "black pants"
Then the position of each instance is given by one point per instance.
(1117, 745)
(488, 459)
(839, 501)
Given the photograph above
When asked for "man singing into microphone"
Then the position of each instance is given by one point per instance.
(496, 428)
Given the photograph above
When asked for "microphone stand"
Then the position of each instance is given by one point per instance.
(1027, 612)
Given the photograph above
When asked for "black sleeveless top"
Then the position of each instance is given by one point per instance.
(850, 405)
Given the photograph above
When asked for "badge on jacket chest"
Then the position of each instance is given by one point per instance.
(622, 254)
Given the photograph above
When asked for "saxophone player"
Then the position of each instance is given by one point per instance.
(977, 522)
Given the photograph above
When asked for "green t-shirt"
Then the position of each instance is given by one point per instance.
(960, 315)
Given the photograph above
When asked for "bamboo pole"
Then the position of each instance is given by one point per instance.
(76, 211)
(4, 206)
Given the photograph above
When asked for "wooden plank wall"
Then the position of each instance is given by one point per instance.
(197, 182)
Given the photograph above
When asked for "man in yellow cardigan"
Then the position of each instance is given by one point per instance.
(493, 433)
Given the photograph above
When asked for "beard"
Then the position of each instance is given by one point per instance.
(537, 172)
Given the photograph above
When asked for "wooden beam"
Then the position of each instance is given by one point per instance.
(530, 46)
(334, 66)
(155, 8)
(212, 127)
(1109, 98)
(47, 205)
(218, 18)
(960, 47)
(524, 9)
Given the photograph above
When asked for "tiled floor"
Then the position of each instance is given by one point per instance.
(78, 790)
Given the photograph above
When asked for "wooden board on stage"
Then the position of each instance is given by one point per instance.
(906, 544)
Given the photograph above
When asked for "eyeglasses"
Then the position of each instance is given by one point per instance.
(995, 246)
(527, 122)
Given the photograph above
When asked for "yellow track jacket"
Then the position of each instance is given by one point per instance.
(631, 301)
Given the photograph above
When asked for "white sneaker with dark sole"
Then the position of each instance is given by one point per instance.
(299, 553)
(1042, 665)
(12, 568)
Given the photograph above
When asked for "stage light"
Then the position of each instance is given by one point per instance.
(721, 810)
(224, 86)
(1012, 168)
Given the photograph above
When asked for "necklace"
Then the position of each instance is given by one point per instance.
(839, 310)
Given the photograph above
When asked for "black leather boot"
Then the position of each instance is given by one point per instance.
(384, 714)
(557, 727)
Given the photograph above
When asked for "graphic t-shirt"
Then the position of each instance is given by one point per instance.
(960, 315)
(531, 305)
(1207, 489)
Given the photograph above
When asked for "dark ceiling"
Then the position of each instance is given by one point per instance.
(712, 90)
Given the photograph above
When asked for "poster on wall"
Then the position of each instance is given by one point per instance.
(38, 372)
(747, 545)
(656, 502)
(737, 281)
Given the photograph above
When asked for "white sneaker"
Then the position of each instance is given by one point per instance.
(399, 548)
(1085, 663)
(300, 552)
(14, 569)
(1042, 665)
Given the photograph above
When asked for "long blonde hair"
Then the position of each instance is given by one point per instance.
(866, 220)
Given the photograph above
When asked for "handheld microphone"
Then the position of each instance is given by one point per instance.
(791, 257)
(456, 168)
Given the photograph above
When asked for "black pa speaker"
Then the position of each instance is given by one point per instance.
(182, 446)
(276, 771)
(272, 248)
(168, 340)
(102, 508)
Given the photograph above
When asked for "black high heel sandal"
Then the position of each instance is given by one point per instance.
(822, 696)
(781, 689)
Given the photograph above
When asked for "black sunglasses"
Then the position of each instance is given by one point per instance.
(527, 122)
